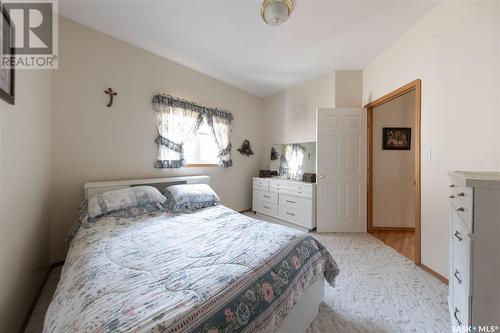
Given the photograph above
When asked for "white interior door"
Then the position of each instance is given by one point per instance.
(341, 198)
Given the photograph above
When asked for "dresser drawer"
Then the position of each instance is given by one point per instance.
(297, 216)
(295, 202)
(460, 314)
(290, 188)
(460, 271)
(261, 184)
(265, 196)
(265, 207)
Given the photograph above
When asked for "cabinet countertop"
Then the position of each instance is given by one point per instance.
(284, 180)
(479, 179)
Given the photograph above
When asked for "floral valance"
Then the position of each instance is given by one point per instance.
(160, 100)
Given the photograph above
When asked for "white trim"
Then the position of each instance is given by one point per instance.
(93, 188)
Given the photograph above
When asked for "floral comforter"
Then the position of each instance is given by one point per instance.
(214, 270)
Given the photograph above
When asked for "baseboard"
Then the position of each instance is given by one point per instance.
(392, 229)
(245, 211)
(37, 296)
(433, 272)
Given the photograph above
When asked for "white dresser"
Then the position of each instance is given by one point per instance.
(474, 279)
(286, 200)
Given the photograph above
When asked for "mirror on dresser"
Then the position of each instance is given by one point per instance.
(292, 160)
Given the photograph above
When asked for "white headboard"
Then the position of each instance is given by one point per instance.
(94, 188)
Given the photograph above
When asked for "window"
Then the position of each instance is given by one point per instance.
(179, 140)
(201, 148)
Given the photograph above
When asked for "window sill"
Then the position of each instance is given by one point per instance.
(202, 165)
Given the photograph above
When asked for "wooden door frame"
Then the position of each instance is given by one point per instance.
(412, 86)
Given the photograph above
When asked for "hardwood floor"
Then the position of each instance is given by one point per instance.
(402, 241)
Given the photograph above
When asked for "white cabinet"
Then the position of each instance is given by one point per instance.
(474, 275)
(286, 200)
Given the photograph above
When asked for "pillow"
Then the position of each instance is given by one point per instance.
(190, 197)
(87, 221)
(137, 211)
(107, 202)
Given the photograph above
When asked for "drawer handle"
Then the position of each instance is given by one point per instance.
(451, 196)
(456, 317)
(290, 213)
(266, 207)
(458, 236)
(461, 209)
(290, 201)
(457, 276)
(267, 196)
(461, 194)
(452, 185)
(299, 192)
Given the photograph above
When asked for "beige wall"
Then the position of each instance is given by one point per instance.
(25, 176)
(93, 142)
(348, 88)
(290, 116)
(394, 170)
(454, 50)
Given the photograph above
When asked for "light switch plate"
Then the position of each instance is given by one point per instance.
(427, 154)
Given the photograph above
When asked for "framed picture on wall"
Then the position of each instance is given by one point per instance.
(396, 138)
(6, 74)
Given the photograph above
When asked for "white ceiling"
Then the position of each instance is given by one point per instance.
(229, 41)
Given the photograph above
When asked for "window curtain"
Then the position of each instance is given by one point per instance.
(178, 119)
(221, 129)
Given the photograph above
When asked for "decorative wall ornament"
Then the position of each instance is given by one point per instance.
(274, 154)
(246, 149)
(111, 93)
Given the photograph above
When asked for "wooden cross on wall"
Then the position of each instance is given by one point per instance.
(111, 93)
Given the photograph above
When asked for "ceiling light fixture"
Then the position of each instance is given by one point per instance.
(275, 12)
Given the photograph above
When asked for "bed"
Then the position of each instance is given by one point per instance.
(213, 270)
